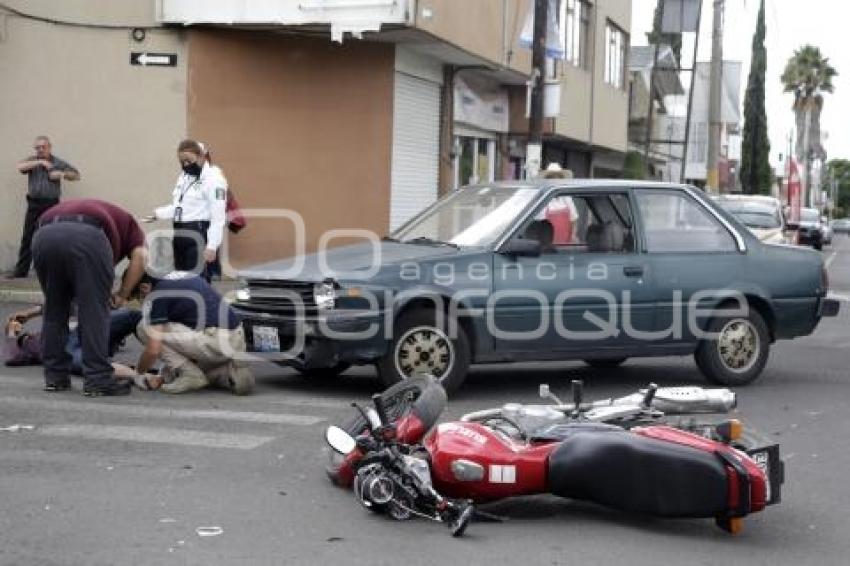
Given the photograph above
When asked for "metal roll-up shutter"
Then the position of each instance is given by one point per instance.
(416, 147)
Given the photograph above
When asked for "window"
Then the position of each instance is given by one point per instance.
(475, 160)
(615, 55)
(590, 224)
(575, 22)
(674, 222)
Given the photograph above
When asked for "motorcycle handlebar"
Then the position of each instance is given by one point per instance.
(380, 409)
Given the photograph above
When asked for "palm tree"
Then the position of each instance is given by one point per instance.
(808, 74)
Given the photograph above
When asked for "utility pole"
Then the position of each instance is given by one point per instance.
(647, 150)
(715, 120)
(534, 150)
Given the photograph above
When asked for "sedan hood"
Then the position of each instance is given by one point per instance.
(357, 261)
(769, 235)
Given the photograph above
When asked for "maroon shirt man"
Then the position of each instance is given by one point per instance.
(75, 250)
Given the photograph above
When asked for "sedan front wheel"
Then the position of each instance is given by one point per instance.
(420, 346)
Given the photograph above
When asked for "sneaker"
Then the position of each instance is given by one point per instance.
(241, 379)
(55, 387)
(109, 389)
(185, 383)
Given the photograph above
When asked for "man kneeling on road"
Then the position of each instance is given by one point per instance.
(196, 335)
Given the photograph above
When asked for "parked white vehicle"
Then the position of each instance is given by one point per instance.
(761, 214)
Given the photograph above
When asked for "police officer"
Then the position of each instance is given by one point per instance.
(75, 249)
(197, 209)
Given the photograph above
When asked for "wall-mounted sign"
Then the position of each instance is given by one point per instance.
(153, 59)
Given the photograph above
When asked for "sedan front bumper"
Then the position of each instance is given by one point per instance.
(828, 307)
(314, 342)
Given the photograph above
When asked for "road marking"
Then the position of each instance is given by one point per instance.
(830, 259)
(165, 413)
(156, 435)
(300, 402)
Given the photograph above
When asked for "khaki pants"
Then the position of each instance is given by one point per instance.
(208, 353)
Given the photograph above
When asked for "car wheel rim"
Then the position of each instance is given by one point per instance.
(424, 350)
(738, 345)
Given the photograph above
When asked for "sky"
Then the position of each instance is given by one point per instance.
(790, 24)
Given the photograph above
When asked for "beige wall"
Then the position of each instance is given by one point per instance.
(591, 110)
(119, 124)
(611, 105)
(296, 124)
(111, 12)
(486, 28)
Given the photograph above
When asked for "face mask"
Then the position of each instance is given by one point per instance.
(193, 169)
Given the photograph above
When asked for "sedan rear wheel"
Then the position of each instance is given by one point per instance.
(737, 350)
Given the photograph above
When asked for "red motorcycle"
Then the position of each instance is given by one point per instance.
(644, 453)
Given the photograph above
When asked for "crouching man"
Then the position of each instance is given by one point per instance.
(196, 335)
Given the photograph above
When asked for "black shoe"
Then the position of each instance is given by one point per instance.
(56, 387)
(108, 389)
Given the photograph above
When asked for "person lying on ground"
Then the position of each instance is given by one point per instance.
(24, 348)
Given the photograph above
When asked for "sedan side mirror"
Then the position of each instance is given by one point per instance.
(522, 247)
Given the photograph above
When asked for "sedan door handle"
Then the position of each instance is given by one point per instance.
(633, 271)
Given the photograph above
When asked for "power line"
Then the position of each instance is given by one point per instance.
(67, 23)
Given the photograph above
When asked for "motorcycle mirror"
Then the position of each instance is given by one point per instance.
(339, 440)
(649, 395)
(546, 393)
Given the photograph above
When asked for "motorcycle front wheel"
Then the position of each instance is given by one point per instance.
(422, 394)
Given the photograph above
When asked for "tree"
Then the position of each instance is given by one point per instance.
(756, 172)
(634, 166)
(839, 169)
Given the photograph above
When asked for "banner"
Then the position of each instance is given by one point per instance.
(481, 103)
(680, 16)
(794, 193)
(555, 48)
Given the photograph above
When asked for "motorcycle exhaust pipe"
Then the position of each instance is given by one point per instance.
(686, 400)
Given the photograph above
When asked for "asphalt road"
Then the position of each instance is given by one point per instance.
(141, 479)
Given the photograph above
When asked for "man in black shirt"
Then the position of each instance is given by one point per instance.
(44, 172)
(195, 333)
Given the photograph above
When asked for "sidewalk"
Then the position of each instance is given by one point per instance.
(27, 290)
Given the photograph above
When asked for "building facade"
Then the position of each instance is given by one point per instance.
(344, 115)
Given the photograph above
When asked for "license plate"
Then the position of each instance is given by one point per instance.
(762, 460)
(266, 339)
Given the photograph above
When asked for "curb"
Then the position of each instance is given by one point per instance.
(20, 296)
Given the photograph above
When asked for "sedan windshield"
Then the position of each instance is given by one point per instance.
(476, 216)
(752, 214)
(757, 218)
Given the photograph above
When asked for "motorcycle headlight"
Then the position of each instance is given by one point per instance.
(324, 295)
(243, 292)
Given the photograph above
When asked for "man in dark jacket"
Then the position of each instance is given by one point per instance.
(197, 336)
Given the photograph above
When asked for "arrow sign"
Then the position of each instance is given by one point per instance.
(153, 59)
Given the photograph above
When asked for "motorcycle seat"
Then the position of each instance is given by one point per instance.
(638, 474)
